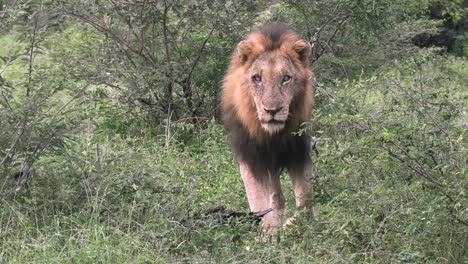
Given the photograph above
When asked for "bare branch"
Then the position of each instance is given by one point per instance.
(31, 52)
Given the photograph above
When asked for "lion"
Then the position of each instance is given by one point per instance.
(267, 93)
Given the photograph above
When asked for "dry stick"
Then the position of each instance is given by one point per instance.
(168, 128)
(31, 54)
(224, 213)
(98, 155)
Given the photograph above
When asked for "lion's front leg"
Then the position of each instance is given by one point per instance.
(277, 203)
(255, 187)
(302, 179)
(264, 192)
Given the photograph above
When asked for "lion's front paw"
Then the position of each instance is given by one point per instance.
(290, 221)
(299, 214)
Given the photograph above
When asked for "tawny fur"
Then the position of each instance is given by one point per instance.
(264, 148)
(236, 95)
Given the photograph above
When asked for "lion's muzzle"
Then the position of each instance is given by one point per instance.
(273, 119)
(272, 110)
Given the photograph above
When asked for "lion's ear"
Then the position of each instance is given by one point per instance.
(303, 49)
(245, 49)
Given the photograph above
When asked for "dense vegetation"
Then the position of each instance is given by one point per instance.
(111, 148)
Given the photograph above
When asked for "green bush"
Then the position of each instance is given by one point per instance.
(110, 150)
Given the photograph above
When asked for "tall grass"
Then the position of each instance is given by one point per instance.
(126, 197)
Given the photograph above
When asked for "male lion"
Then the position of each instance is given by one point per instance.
(266, 94)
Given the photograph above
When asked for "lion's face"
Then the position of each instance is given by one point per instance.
(268, 87)
(272, 81)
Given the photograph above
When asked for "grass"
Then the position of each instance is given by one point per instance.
(117, 196)
(143, 204)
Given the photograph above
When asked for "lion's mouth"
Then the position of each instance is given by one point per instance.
(274, 121)
(273, 126)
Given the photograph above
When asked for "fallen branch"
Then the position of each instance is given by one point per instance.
(223, 213)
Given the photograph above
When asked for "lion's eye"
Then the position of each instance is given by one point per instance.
(286, 79)
(256, 78)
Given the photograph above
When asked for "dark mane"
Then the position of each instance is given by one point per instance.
(275, 34)
(284, 150)
(261, 151)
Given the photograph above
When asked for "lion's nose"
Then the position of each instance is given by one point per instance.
(273, 110)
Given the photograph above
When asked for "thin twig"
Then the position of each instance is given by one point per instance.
(168, 129)
(31, 53)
